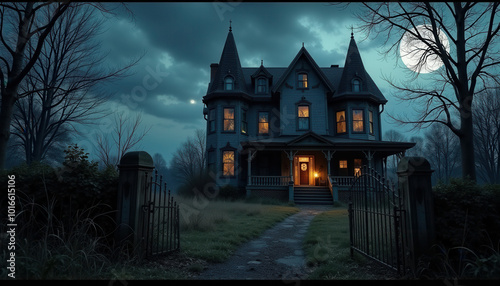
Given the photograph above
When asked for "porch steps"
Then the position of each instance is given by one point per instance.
(311, 195)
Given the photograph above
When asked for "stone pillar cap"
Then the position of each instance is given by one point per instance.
(136, 158)
(414, 164)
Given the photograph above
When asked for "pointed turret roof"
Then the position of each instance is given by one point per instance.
(354, 68)
(229, 65)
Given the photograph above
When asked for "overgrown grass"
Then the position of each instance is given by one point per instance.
(327, 249)
(47, 248)
(216, 229)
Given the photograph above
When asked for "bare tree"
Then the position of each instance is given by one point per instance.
(443, 150)
(395, 136)
(418, 149)
(19, 25)
(59, 89)
(472, 29)
(189, 159)
(487, 135)
(24, 25)
(124, 135)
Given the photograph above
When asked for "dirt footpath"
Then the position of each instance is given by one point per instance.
(276, 255)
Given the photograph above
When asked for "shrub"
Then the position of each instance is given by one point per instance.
(202, 183)
(467, 214)
(467, 223)
(230, 192)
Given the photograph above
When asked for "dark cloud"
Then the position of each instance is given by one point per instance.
(190, 36)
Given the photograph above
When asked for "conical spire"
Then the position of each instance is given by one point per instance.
(354, 69)
(229, 65)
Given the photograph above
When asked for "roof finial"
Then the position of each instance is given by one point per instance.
(230, 28)
(302, 44)
(261, 62)
(352, 32)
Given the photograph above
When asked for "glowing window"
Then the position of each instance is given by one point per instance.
(228, 119)
(263, 122)
(303, 114)
(357, 167)
(356, 85)
(302, 80)
(343, 164)
(357, 120)
(261, 85)
(228, 163)
(370, 119)
(341, 123)
(228, 83)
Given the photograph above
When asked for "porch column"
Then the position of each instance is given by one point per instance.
(328, 156)
(290, 154)
(251, 155)
(369, 156)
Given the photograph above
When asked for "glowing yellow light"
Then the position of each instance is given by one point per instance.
(315, 174)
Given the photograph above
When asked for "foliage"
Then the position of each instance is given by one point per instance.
(76, 186)
(231, 192)
(467, 214)
(196, 184)
(467, 222)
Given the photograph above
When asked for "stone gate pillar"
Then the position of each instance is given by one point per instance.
(131, 187)
(414, 182)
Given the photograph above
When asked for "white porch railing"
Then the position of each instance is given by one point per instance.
(269, 180)
(343, 181)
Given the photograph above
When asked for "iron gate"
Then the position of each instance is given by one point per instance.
(377, 220)
(161, 218)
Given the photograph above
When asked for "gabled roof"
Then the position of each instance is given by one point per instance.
(354, 68)
(338, 80)
(303, 53)
(262, 71)
(229, 65)
(309, 138)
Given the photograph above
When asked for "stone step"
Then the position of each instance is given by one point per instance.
(312, 195)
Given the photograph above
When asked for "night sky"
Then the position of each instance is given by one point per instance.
(179, 41)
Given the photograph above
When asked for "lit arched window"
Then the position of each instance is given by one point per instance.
(228, 83)
(356, 85)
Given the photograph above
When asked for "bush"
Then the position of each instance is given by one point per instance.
(67, 191)
(230, 192)
(202, 183)
(467, 214)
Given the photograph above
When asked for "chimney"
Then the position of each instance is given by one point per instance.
(213, 70)
(334, 66)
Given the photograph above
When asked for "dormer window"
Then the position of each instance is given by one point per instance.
(356, 85)
(228, 83)
(261, 85)
(302, 80)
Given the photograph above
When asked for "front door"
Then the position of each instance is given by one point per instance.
(304, 173)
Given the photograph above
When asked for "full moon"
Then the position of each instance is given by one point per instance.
(412, 49)
(192, 101)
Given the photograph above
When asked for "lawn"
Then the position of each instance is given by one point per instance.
(214, 232)
(327, 245)
(211, 231)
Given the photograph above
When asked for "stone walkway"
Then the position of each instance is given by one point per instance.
(276, 255)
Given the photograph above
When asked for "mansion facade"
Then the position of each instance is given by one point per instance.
(273, 129)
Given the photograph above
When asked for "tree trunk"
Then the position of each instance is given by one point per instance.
(6, 112)
(467, 148)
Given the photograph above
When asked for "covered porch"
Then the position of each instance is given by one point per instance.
(276, 166)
